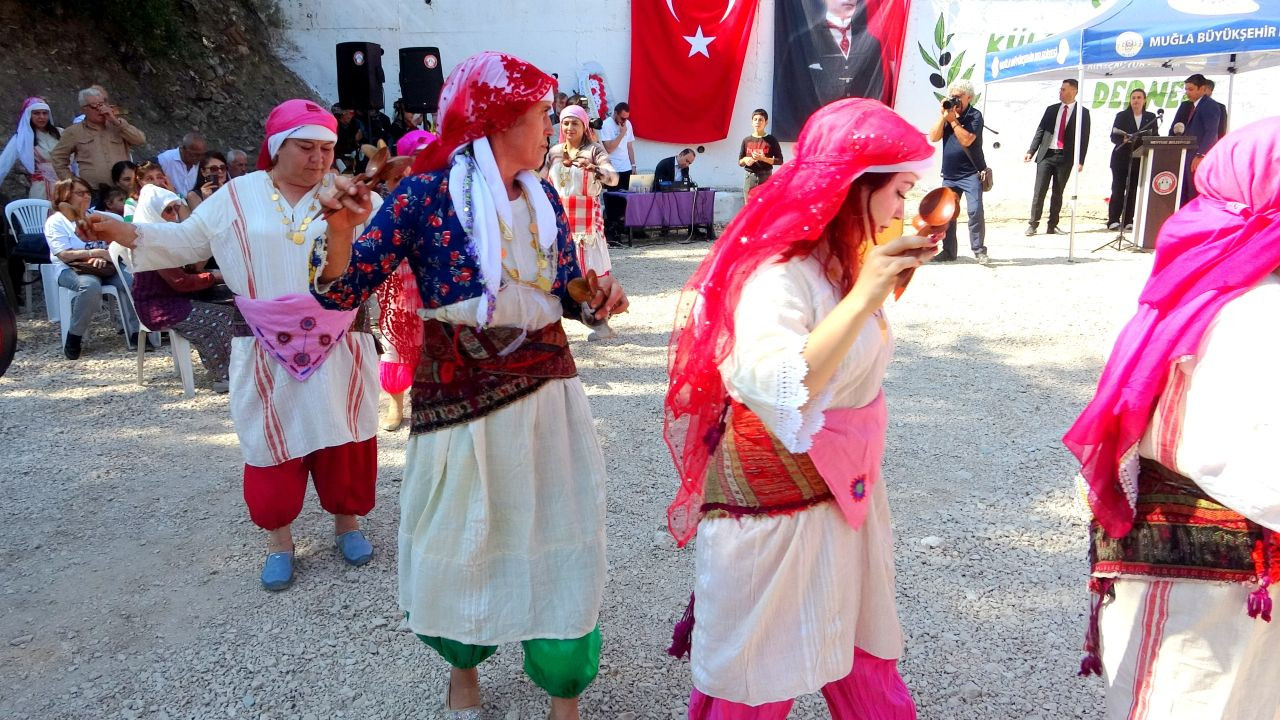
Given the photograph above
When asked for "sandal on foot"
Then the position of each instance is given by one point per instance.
(277, 571)
(356, 549)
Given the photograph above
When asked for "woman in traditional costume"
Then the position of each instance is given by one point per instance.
(1178, 459)
(502, 507)
(303, 379)
(31, 147)
(776, 420)
(579, 169)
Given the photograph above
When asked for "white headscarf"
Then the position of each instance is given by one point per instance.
(21, 146)
(302, 132)
(152, 201)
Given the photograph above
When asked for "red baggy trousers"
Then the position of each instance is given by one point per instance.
(345, 476)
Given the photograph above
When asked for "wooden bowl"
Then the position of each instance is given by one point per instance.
(937, 209)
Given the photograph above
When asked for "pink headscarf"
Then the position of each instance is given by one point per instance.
(484, 95)
(291, 115)
(576, 111)
(414, 141)
(839, 143)
(1215, 248)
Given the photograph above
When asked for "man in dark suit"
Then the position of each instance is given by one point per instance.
(835, 57)
(1222, 126)
(673, 170)
(1054, 146)
(1126, 131)
(1201, 118)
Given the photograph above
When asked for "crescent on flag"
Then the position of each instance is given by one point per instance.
(728, 10)
(671, 6)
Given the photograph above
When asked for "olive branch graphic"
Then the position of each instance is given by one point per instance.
(942, 61)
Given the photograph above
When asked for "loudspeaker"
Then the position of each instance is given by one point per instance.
(360, 76)
(421, 78)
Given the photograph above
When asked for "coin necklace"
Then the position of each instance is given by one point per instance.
(542, 282)
(297, 235)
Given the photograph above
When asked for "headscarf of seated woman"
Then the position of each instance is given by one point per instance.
(152, 201)
(786, 217)
(1211, 251)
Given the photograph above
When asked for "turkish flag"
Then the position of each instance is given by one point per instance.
(686, 61)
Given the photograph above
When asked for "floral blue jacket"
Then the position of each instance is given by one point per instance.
(418, 224)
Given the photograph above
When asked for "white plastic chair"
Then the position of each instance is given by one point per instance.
(122, 258)
(30, 216)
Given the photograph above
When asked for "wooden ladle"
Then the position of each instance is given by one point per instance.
(380, 168)
(937, 209)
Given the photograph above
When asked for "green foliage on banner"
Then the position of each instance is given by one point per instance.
(947, 68)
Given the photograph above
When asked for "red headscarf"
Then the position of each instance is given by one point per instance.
(484, 95)
(840, 142)
(289, 115)
(1211, 251)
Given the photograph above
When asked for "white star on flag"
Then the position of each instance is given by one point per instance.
(698, 43)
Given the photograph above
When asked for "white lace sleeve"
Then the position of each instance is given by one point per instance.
(767, 369)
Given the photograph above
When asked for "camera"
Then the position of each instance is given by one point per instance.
(210, 179)
(951, 102)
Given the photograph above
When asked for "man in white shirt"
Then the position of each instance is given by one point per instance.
(618, 138)
(1053, 146)
(181, 164)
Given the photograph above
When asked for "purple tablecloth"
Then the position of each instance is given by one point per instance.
(669, 209)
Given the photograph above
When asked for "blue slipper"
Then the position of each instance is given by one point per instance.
(356, 549)
(277, 571)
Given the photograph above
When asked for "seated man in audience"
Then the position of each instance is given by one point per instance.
(237, 163)
(182, 164)
(674, 170)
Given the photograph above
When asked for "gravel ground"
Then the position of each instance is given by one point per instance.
(130, 566)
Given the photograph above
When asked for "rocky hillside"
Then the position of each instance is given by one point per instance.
(173, 65)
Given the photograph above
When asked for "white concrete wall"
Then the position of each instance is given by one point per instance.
(540, 32)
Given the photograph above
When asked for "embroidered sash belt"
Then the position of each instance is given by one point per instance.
(752, 473)
(466, 373)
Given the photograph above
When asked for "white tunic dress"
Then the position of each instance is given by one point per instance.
(1186, 649)
(276, 417)
(783, 600)
(502, 518)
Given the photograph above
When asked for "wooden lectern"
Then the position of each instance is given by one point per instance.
(1160, 179)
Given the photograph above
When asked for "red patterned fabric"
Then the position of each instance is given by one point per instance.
(484, 95)
(839, 142)
(400, 302)
(580, 210)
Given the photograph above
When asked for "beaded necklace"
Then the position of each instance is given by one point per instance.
(297, 235)
(541, 281)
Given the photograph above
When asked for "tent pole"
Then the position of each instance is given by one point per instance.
(1075, 161)
(1231, 86)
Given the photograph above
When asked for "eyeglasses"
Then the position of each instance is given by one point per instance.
(99, 106)
(216, 168)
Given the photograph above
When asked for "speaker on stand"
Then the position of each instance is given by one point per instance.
(421, 79)
(360, 76)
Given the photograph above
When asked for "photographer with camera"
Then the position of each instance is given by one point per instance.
(959, 127)
(212, 175)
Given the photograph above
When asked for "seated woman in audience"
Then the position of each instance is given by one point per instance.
(122, 174)
(171, 299)
(148, 173)
(83, 268)
(212, 175)
(31, 149)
